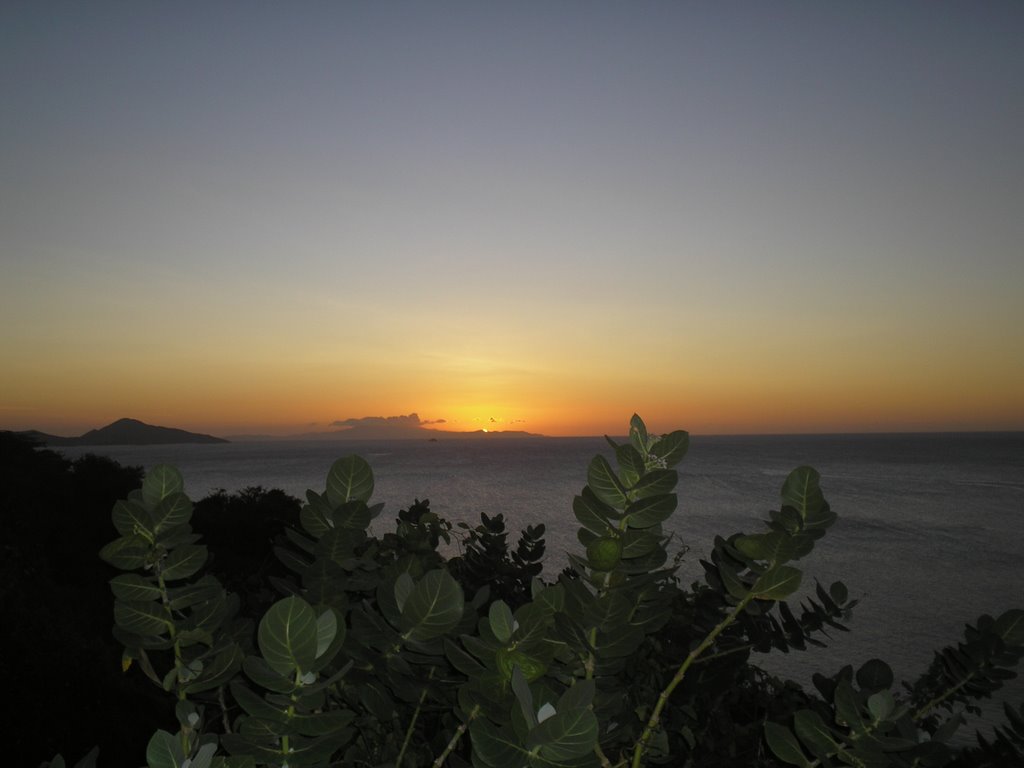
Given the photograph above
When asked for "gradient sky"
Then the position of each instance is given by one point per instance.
(729, 217)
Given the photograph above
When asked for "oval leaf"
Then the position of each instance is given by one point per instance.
(160, 482)
(172, 510)
(802, 492)
(777, 583)
(433, 607)
(875, 675)
(605, 483)
(134, 588)
(651, 510)
(140, 618)
(130, 518)
(783, 743)
(350, 479)
(671, 448)
(500, 617)
(288, 637)
(184, 561)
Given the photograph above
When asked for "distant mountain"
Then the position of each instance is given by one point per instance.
(126, 432)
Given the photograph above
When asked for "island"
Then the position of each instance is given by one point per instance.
(125, 432)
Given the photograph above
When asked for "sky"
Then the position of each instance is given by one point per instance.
(735, 217)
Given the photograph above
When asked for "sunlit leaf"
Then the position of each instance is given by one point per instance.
(161, 481)
(655, 482)
(350, 478)
(638, 433)
(605, 483)
(671, 448)
(651, 510)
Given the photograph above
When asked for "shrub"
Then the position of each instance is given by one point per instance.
(383, 653)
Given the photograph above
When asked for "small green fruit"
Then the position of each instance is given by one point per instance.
(605, 553)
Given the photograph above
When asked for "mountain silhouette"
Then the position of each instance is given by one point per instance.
(126, 432)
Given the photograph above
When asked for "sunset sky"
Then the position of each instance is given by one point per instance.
(728, 217)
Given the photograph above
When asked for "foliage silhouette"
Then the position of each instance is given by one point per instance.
(383, 652)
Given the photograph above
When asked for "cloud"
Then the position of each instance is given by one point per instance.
(385, 425)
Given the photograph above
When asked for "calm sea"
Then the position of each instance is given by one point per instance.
(930, 531)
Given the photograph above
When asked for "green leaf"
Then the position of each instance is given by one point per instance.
(774, 546)
(223, 668)
(572, 731)
(848, 710)
(521, 689)
(134, 588)
(164, 751)
(172, 510)
(651, 510)
(350, 478)
(203, 756)
(631, 463)
(875, 675)
(802, 492)
(184, 561)
(838, 592)
(784, 744)
(655, 483)
(639, 542)
(605, 483)
(638, 434)
(160, 482)
(731, 581)
(433, 608)
(671, 448)
(881, 705)
(777, 583)
(326, 629)
(500, 617)
(141, 618)
(260, 673)
(287, 636)
(130, 517)
(814, 733)
(187, 595)
(1010, 627)
(353, 515)
(592, 513)
(316, 516)
(403, 588)
(495, 747)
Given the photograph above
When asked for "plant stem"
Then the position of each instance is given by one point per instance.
(707, 642)
(412, 723)
(455, 738)
(925, 709)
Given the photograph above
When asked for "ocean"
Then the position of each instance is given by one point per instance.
(930, 532)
